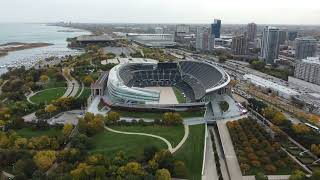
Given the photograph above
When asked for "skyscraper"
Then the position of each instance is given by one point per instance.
(282, 36)
(305, 47)
(270, 44)
(292, 35)
(239, 45)
(204, 40)
(216, 28)
(252, 31)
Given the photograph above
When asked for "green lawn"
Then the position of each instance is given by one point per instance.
(85, 93)
(110, 143)
(158, 115)
(53, 84)
(48, 95)
(29, 133)
(179, 95)
(173, 134)
(192, 152)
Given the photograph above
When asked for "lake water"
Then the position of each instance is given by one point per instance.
(31, 33)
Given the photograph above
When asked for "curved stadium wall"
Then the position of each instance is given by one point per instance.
(196, 79)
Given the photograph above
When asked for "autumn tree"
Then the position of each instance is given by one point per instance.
(131, 169)
(51, 108)
(87, 80)
(271, 169)
(171, 118)
(300, 128)
(269, 112)
(297, 175)
(113, 116)
(163, 174)
(44, 78)
(91, 124)
(67, 129)
(279, 118)
(315, 148)
(44, 159)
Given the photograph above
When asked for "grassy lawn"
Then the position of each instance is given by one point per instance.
(53, 84)
(306, 160)
(29, 133)
(158, 115)
(110, 143)
(173, 134)
(192, 152)
(48, 95)
(85, 93)
(294, 152)
(179, 95)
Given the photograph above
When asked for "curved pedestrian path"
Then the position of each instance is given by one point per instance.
(170, 148)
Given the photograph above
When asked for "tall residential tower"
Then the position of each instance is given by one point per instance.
(239, 45)
(252, 31)
(305, 47)
(204, 40)
(270, 44)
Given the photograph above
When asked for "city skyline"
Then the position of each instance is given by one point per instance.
(164, 11)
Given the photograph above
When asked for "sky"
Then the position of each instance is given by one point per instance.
(162, 11)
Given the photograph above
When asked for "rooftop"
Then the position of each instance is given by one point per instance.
(312, 60)
(269, 84)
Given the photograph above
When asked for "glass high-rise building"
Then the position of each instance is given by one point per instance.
(270, 44)
(204, 40)
(305, 47)
(216, 28)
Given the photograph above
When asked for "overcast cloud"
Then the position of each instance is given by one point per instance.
(162, 11)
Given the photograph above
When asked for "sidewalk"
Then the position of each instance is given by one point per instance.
(230, 154)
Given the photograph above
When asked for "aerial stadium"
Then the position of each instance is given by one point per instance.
(141, 85)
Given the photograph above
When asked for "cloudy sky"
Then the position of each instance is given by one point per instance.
(162, 11)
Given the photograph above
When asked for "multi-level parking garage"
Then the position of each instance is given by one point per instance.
(197, 80)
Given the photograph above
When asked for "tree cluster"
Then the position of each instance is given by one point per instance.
(256, 149)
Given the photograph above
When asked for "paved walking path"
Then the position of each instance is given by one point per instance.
(210, 169)
(73, 85)
(230, 154)
(170, 148)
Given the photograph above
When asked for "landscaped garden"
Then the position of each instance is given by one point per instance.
(28, 132)
(110, 143)
(257, 151)
(173, 134)
(48, 95)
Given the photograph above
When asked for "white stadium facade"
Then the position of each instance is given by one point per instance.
(126, 84)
